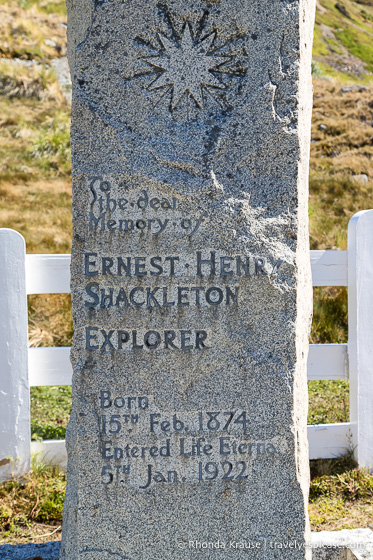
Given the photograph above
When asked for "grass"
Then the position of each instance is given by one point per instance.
(35, 163)
(328, 402)
(27, 28)
(329, 322)
(44, 205)
(50, 410)
(34, 139)
(343, 38)
(341, 149)
(35, 199)
(31, 506)
(341, 496)
(50, 320)
(349, 38)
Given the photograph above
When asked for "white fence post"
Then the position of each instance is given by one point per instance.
(14, 384)
(360, 328)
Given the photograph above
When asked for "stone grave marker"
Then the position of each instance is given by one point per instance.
(191, 282)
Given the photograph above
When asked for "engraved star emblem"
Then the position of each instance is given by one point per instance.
(190, 64)
(187, 67)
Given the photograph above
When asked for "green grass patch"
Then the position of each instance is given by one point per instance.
(51, 144)
(57, 7)
(319, 46)
(356, 30)
(326, 72)
(334, 45)
(50, 411)
(45, 7)
(349, 485)
(367, 15)
(341, 495)
(357, 44)
(328, 402)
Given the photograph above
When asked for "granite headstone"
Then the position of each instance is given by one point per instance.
(191, 282)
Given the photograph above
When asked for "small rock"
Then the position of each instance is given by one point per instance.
(362, 178)
(62, 69)
(45, 551)
(22, 62)
(342, 8)
(322, 127)
(62, 25)
(51, 43)
(353, 88)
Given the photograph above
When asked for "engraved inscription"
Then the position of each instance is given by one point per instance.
(141, 213)
(109, 340)
(140, 444)
(143, 447)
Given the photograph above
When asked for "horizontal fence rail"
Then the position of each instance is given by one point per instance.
(327, 361)
(50, 274)
(51, 366)
(329, 268)
(326, 441)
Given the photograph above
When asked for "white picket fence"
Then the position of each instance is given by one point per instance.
(22, 367)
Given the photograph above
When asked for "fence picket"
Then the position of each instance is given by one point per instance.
(15, 391)
(360, 333)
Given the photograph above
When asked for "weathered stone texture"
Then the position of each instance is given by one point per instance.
(190, 279)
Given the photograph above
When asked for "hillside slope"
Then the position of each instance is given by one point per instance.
(343, 39)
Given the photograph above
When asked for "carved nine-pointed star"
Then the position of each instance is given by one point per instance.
(187, 67)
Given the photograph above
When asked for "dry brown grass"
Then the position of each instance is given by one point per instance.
(34, 141)
(50, 320)
(25, 30)
(330, 514)
(32, 532)
(338, 153)
(41, 212)
(346, 145)
(18, 80)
